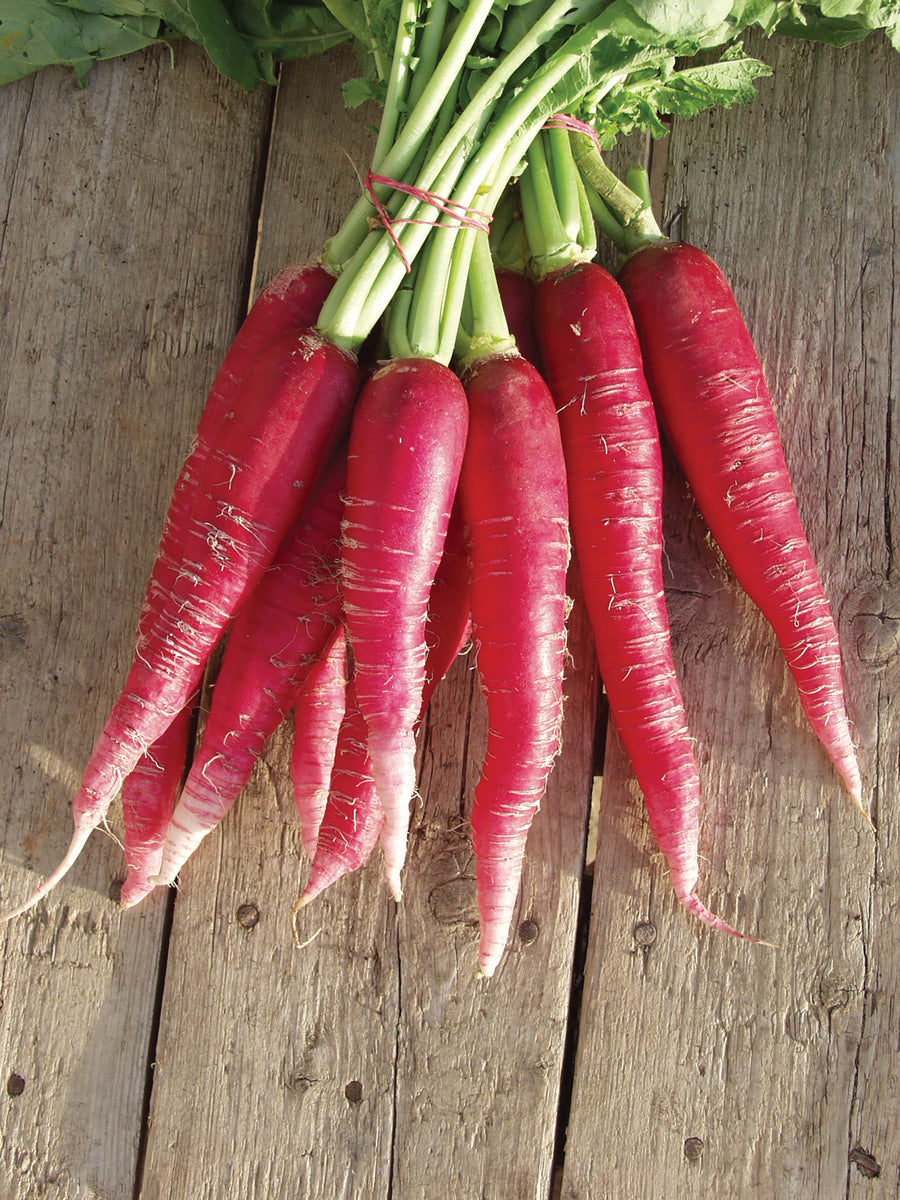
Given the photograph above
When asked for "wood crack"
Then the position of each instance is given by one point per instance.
(392, 1139)
(152, 1045)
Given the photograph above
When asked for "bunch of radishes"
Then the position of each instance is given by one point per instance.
(351, 527)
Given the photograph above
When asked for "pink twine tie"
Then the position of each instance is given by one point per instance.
(462, 214)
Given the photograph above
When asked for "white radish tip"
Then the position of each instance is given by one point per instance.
(301, 902)
(487, 968)
(695, 906)
(856, 801)
(394, 885)
(163, 879)
(134, 889)
(76, 845)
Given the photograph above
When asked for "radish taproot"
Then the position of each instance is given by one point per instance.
(353, 816)
(285, 627)
(708, 385)
(513, 499)
(292, 299)
(593, 367)
(406, 447)
(319, 706)
(148, 795)
(289, 414)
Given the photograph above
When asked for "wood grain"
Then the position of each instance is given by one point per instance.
(188, 1048)
(738, 1069)
(121, 238)
(405, 1066)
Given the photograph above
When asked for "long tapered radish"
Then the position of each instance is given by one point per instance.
(289, 414)
(319, 706)
(285, 626)
(512, 493)
(708, 384)
(353, 817)
(148, 795)
(592, 363)
(406, 447)
(291, 300)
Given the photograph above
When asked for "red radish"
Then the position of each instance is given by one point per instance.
(708, 384)
(517, 296)
(592, 363)
(448, 624)
(291, 300)
(289, 414)
(406, 446)
(353, 815)
(513, 497)
(148, 795)
(286, 625)
(318, 712)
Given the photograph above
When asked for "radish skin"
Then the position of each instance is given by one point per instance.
(448, 625)
(319, 706)
(593, 367)
(148, 795)
(406, 447)
(517, 294)
(291, 300)
(289, 414)
(708, 384)
(354, 816)
(287, 625)
(513, 497)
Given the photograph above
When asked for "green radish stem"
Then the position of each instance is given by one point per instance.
(371, 278)
(398, 79)
(398, 158)
(631, 222)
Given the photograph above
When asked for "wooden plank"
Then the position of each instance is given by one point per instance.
(297, 1051)
(478, 1079)
(372, 1061)
(706, 1067)
(116, 229)
(374, 1052)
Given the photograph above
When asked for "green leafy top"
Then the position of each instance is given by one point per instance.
(246, 38)
(243, 38)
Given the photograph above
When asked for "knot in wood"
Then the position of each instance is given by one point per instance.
(13, 631)
(15, 1085)
(865, 1162)
(693, 1148)
(834, 992)
(875, 626)
(354, 1092)
(454, 902)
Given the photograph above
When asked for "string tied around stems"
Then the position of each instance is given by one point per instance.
(462, 214)
(564, 121)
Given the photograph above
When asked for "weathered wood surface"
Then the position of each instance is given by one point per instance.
(714, 1068)
(186, 1048)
